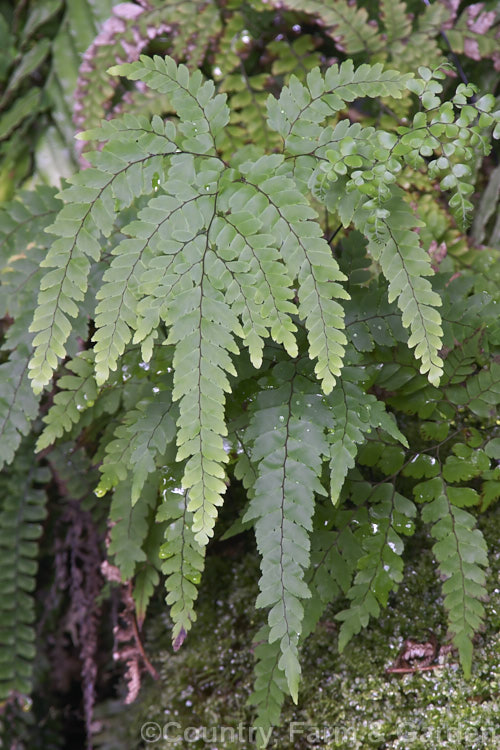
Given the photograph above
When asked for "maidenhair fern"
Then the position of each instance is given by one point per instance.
(22, 510)
(195, 329)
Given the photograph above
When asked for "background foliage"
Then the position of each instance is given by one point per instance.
(264, 275)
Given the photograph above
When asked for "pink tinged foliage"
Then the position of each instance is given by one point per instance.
(128, 647)
(437, 253)
(124, 22)
(479, 22)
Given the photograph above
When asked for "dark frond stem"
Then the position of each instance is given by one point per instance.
(330, 240)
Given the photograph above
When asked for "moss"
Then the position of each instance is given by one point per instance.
(347, 700)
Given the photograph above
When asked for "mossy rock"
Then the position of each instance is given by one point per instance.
(346, 701)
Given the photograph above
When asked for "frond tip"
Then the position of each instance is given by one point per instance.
(288, 433)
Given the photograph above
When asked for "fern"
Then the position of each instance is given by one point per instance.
(18, 406)
(396, 21)
(354, 413)
(130, 527)
(347, 24)
(287, 419)
(405, 265)
(480, 393)
(153, 431)
(137, 445)
(380, 567)
(131, 28)
(323, 97)
(461, 552)
(79, 393)
(22, 510)
(211, 336)
(22, 247)
(79, 226)
(270, 686)
(184, 559)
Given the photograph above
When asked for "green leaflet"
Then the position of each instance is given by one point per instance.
(405, 266)
(183, 558)
(347, 24)
(153, 429)
(270, 686)
(137, 445)
(287, 429)
(396, 20)
(119, 173)
(461, 552)
(22, 509)
(22, 248)
(194, 250)
(130, 527)
(380, 567)
(18, 406)
(300, 109)
(145, 583)
(354, 413)
(480, 393)
(335, 551)
(24, 219)
(78, 392)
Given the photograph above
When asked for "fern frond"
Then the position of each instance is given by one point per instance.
(308, 258)
(370, 320)
(130, 526)
(115, 465)
(480, 394)
(301, 108)
(335, 552)
(380, 568)
(78, 392)
(183, 559)
(203, 115)
(243, 259)
(247, 94)
(270, 685)
(22, 509)
(121, 172)
(116, 313)
(22, 248)
(145, 583)
(23, 220)
(461, 553)
(288, 431)
(18, 406)
(354, 414)
(405, 266)
(397, 23)
(202, 333)
(348, 24)
(125, 34)
(412, 45)
(137, 444)
(153, 429)
(295, 57)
